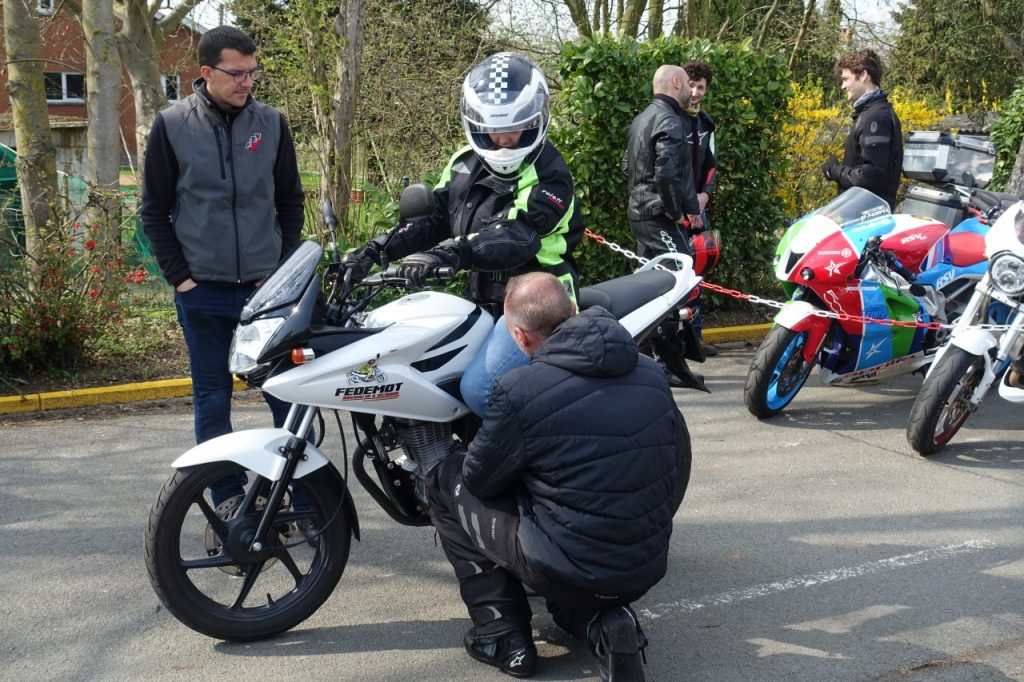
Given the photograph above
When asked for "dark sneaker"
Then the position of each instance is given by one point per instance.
(673, 380)
(513, 653)
(709, 350)
(618, 643)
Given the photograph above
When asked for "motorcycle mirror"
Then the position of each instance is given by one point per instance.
(329, 216)
(968, 179)
(416, 201)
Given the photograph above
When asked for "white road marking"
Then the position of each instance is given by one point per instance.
(836, 575)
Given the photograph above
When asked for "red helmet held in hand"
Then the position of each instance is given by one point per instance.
(705, 247)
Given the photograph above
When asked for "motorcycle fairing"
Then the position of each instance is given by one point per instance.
(425, 339)
(798, 316)
(913, 239)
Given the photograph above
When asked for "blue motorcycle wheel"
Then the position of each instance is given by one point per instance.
(777, 373)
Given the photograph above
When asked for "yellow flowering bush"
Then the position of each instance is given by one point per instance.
(814, 131)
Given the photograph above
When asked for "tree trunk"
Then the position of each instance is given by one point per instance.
(630, 24)
(349, 27)
(36, 164)
(1015, 185)
(655, 22)
(578, 14)
(766, 22)
(103, 139)
(808, 15)
(139, 43)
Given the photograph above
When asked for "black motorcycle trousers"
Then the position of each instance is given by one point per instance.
(479, 538)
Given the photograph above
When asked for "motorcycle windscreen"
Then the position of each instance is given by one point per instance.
(286, 284)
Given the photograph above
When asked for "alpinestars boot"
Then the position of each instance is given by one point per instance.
(513, 653)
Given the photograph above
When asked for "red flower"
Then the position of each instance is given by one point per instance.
(94, 293)
(90, 245)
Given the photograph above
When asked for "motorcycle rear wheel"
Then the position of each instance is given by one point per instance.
(199, 580)
(943, 404)
(777, 373)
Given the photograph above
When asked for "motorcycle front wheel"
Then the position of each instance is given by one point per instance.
(943, 404)
(200, 561)
(777, 373)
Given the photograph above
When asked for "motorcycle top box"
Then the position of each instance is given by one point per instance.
(941, 157)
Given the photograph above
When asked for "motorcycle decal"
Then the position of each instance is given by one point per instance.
(369, 373)
(367, 393)
(833, 267)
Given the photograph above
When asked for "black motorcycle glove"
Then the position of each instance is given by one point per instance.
(830, 169)
(362, 260)
(417, 267)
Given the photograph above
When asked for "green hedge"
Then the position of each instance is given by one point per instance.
(1007, 132)
(606, 82)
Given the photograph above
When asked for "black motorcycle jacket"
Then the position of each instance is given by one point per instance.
(502, 227)
(873, 158)
(658, 164)
(587, 437)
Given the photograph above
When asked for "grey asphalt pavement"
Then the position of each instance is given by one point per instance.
(814, 546)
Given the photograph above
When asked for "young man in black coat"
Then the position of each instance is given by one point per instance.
(569, 487)
(873, 158)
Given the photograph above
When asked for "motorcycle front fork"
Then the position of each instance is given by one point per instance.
(299, 420)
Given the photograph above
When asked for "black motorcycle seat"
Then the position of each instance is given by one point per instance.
(623, 295)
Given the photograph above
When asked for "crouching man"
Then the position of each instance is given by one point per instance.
(569, 487)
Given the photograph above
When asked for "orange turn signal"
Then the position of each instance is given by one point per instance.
(302, 355)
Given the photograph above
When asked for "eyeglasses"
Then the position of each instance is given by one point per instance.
(239, 76)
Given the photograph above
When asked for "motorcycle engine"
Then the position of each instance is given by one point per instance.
(426, 444)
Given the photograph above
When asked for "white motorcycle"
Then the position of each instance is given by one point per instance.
(971, 362)
(266, 559)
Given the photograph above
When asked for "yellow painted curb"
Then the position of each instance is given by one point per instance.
(62, 400)
(176, 388)
(748, 332)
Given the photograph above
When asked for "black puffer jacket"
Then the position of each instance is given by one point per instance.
(587, 434)
(658, 164)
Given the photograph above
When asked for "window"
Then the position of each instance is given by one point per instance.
(64, 87)
(172, 87)
(44, 6)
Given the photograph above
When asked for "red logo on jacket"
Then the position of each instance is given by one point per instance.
(255, 140)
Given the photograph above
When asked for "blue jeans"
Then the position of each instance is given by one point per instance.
(208, 315)
(498, 355)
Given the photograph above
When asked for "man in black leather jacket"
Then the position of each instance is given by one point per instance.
(570, 487)
(873, 158)
(663, 205)
(659, 168)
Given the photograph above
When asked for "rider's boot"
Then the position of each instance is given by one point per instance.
(617, 641)
(513, 653)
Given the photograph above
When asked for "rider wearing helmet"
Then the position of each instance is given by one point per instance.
(504, 206)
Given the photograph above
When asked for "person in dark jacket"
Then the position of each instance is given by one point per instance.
(504, 205)
(569, 486)
(705, 169)
(873, 157)
(221, 205)
(663, 207)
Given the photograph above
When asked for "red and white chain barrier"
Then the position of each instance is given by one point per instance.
(845, 317)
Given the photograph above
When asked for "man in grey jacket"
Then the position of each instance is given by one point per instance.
(222, 205)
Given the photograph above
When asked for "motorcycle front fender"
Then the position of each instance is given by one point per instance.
(800, 316)
(974, 341)
(256, 449)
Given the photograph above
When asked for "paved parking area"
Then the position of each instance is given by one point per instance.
(815, 546)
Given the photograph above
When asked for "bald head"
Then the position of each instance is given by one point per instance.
(671, 80)
(535, 303)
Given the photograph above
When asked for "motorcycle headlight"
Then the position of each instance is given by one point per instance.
(1007, 273)
(248, 343)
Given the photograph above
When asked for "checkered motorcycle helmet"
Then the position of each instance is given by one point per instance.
(506, 92)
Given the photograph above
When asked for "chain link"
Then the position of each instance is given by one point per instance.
(818, 312)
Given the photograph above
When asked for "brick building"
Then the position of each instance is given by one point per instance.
(64, 69)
